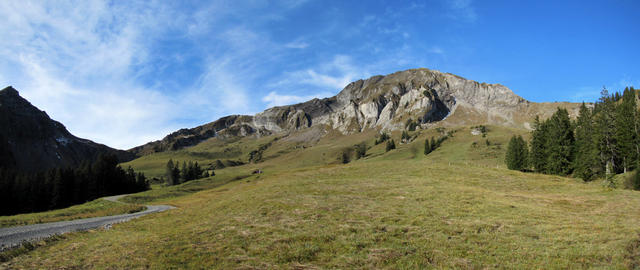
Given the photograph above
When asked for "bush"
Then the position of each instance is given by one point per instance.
(361, 150)
(383, 138)
(345, 156)
(390, 145)
(633, 181)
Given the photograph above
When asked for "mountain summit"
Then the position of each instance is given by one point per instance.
(418, 97)
(31, 141)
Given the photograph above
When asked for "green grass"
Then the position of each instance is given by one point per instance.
(95, 208)
(456, 208)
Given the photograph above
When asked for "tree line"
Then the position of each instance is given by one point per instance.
(433, 144)
(602, 141)
(63, 187)
(174, 175)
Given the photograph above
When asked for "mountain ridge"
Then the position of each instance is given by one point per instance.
(31, 141)
(386, 102)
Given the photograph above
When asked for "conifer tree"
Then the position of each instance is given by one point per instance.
(361, 150)
(433, 144)
(538, 154)
(405, 136)
(427, 147)
(560, 147)
(184, 172)
(586, 164)
(517, 154)
(625, 134)
(390, 145)
(605, 131)
(169, 173)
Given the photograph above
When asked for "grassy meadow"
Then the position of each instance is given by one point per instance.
(95, 208)
(458, 207)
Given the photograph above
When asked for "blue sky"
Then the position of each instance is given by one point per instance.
(125, 72)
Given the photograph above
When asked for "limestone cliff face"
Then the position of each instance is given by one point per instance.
(386, 102)
(31, 141)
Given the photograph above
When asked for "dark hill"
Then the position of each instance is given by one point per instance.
(31, 141)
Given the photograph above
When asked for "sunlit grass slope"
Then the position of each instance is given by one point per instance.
(456, 208)
(288, 154)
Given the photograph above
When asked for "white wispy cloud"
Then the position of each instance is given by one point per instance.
(106, 69)
(75, 59)
(82, 61)
(332, 75)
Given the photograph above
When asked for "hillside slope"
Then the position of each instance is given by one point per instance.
(31, 141)
(391, 210)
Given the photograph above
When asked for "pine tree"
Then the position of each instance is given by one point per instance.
(604, 115)
(175, 175)
(433, 144)
(538, 154)
(405, 137)
(586, 164)
(517, 152)
(625, 135)
(390, 145)
(361, 150)
(184, 172)
(427, 147)
(169, 173)
(383, 137)
(561, 146)
(345, 155)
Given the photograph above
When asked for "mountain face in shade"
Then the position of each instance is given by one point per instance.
(423, 97)
(31, 141)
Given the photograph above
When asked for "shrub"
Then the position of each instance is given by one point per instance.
(361, 150)
(633, 181)
(383, 138)
(390, 145)
(345, 155)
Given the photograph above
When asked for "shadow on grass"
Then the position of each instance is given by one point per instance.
(187, 188)
(9, 253)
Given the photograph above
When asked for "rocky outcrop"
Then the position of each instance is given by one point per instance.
(381, 102)
(31, 141)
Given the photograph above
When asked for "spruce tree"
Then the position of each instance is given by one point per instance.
(361, 150)
(405, 136)
(517, 152)
(538, 154)
(433, 144)
(184, 173)
(625, 134)
(169, 173)
(523, 154)
(391, 144)
(427, 147)
(604, 115)
(560, 146)
(586, 164)
(175, 175)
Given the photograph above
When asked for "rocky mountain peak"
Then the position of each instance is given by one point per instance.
(420, 96)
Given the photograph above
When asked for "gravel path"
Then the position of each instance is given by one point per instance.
(14, 236)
